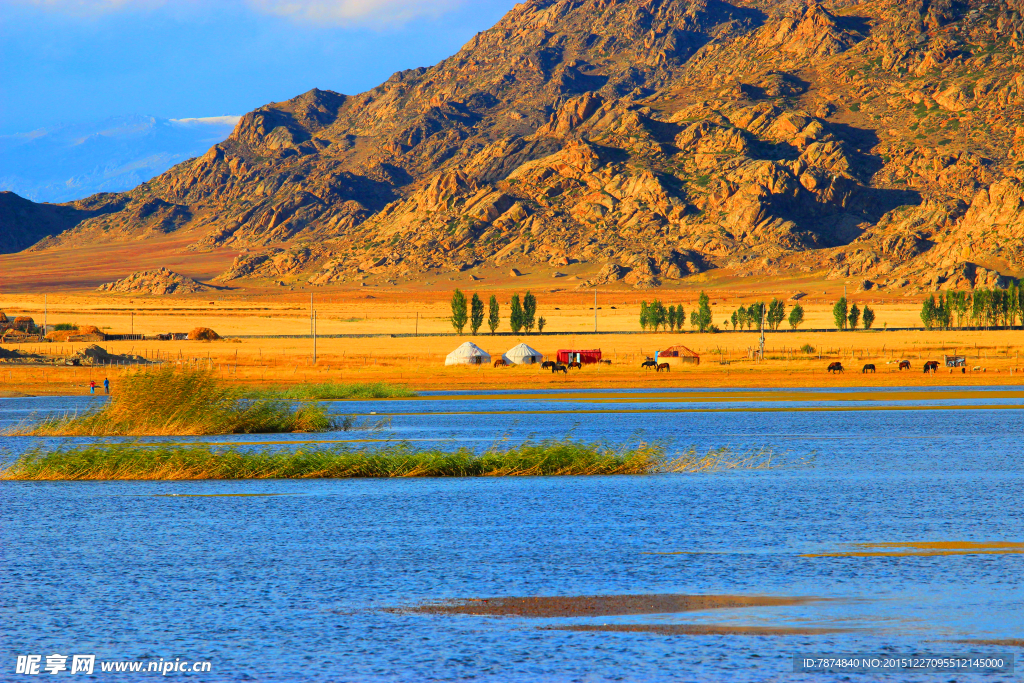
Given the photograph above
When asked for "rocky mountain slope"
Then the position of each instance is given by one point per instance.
(878, 141)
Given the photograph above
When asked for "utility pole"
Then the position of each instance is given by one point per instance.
(314, 337)
(763, 322)
(311, 314)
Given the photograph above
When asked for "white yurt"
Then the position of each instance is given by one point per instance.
(468, 354)
(521, 354)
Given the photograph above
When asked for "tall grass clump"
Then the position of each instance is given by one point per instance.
(337, 390)
(172, 401)
(134, 461)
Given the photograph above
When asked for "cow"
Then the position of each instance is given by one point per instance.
(836, 367)
(663, 366)
(931, 366)
(647, 364)
(558, 367)
(904, 365)
(870, 367)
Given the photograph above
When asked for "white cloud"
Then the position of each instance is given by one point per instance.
(304, 11)
(354, 11)
(208, 121)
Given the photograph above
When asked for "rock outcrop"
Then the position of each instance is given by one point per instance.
(156, 282)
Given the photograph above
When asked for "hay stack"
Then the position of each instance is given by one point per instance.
(203, 334)
(24, 323)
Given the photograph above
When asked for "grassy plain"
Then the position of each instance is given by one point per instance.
(418, 362)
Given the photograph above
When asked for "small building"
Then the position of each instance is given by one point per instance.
(956, 361)
(584, 356)
(468, 354)
(521, 354)
(679, 354)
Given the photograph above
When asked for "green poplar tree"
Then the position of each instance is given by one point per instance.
(840, 313)
(529, 312)
(796, 316)
(515, 316)
(476, 313)
(493, 314)
(459, 317)
(868, 318)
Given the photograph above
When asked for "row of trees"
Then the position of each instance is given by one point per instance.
(756, 315)
(671, 318)
(846, 317)
(522, 313)
(980, 308)
(655, 314)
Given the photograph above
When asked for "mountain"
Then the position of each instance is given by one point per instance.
(70, 161)
(880, 142)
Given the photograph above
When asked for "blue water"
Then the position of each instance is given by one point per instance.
(297, 586)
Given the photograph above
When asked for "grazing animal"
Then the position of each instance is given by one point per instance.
(605, 362)
(977, 368)
(547, 364)
(663, 366)
(501, 363)
(649, 364)
(558, 367)
(836, 367)
(575, 364)
(904, 365)
(870, 367)
(931, 366)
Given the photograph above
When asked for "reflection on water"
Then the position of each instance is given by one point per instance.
(909, 522)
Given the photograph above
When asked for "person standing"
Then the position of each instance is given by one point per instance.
(92, 386)
(106, 385)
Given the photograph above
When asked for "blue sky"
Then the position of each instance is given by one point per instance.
(76, 60)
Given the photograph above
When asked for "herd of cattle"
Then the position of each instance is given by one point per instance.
(835, 367)
(931, 366)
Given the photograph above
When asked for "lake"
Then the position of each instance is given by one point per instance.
(324, 580)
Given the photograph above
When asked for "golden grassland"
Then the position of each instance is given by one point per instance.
(168, 400)
(418, 362)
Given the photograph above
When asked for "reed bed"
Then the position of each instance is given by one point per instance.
(327, 391)
(136, 461)
(175, 401)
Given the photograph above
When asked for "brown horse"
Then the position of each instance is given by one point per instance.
(575, 364)
(558, 367)
(870, 367)
(663, 366)
(904, 365)
(547, 364)
(501, 363)
(931, 366)
(836, 367)
(647, 364)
